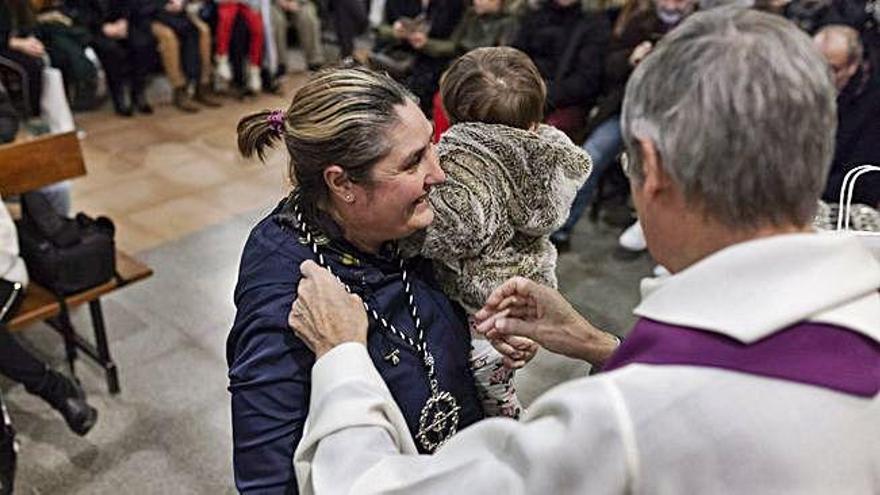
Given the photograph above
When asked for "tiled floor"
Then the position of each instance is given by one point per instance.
(163, 176)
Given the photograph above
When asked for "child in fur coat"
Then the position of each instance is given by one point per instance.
(510, 184)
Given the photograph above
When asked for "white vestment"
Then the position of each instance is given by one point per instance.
(642, 428)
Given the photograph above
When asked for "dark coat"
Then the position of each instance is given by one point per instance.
(443, 15)
(568, 47)
(643, 27)
(93, 14)
(270, 368)
(8, 117)
(858, 138)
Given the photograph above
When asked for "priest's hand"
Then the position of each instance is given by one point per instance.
(324, 315)
(521, 307)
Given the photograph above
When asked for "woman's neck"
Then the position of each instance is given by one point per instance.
(352, 235)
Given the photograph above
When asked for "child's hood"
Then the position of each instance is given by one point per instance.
(539, 171)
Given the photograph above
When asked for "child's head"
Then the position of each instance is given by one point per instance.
(497, 85)
(483, 7)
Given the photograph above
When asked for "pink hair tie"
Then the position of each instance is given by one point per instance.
(276, 121)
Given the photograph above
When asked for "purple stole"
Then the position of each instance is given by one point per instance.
(815, 354)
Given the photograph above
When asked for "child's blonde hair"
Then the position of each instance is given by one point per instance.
(494, 85)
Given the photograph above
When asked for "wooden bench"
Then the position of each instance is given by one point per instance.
(30, 165)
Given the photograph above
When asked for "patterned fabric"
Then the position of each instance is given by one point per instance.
(506, 191)
(495, 382)
(861, 217)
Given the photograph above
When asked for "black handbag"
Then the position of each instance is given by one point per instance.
(62, 254)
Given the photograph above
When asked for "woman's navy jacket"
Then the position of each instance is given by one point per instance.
(270, 368)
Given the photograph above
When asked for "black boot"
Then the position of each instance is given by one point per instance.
(67, 397)
(8, 452)
(120, 105)
(85, 96)
(139, 100)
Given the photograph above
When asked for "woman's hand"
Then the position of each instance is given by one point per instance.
(30, 46)
(116, 30)
(521, 307)
(324, 315)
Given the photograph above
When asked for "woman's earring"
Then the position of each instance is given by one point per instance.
(349, 198)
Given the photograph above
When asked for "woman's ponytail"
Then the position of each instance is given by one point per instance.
(259, 131)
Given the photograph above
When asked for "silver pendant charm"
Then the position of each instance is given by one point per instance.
(439, 421)
(393, 357)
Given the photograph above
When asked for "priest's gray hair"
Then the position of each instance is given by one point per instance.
(741, 109)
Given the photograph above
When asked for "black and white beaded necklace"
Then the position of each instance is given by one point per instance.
(438, 421)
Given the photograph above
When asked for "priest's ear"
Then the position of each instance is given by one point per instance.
(651, 178)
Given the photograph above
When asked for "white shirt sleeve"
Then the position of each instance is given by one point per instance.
(11, 265)
(573, 440)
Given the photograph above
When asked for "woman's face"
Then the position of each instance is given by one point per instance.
(396, 204)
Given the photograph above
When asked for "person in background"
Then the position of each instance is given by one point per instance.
(65, 43)
(486, 23)
(411, 26)
(864, 16)
(20, 46)
(636, 33)
(349, 20)
(227, 11)
(308, 30)
(758, 357)
(17, 363)
(568, 45)
(122, 39)
(184, 43)
(58, 193)
(858, 112)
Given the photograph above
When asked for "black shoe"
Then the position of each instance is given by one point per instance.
(85, 96)
(123, 111)
(67, 397)
(144, 107)
(562, 241)
(120, 104)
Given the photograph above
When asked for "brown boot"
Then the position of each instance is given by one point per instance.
(183, 101)
(203, 96)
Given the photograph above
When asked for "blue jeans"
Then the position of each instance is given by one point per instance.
(603, 145)
(58, 195)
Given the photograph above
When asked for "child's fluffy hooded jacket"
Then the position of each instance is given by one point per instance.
(506, 191)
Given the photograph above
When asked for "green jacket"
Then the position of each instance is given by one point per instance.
(474, 31)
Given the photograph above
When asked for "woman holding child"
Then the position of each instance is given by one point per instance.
(362, 158)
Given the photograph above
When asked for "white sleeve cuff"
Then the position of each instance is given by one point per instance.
(341, 364)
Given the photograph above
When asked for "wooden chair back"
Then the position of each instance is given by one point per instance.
(29, 165)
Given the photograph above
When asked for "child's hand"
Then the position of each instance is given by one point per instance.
(515, 351)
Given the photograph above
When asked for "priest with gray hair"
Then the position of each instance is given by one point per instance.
(753, 368)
